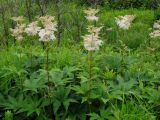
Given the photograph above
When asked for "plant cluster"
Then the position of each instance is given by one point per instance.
(100, 78)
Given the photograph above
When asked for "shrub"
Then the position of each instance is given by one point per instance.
(122, 4)
(157, 14)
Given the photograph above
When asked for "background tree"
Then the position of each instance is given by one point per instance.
(29, 9)
(3, 13)
(41, 4)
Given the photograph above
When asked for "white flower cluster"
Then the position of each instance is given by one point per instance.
(49, 27)
(18, 31)
(124, 22)
(18, 20)
(156, 32)
(46, 32)
(91, 14)
(32, 29)
(92, 41)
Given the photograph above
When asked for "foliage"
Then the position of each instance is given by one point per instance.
(123, 82)
(122, 4)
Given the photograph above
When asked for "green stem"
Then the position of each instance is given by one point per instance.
(90, 77)
(90, 64)
(47, 69)
(20, 61)
(47, 64)
(31, 55)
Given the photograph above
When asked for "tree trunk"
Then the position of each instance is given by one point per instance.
(40, 8)
(28, 6)
(5, 28)
(58, 22)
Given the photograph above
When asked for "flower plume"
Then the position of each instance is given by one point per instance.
(124, 22)
(49, 27)
(92, 40)
(18, 19)
(18, 31)
(91, 14)
(156, 31)
(32, 29)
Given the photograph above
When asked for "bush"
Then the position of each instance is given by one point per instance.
(92, 2)
(157, 14)
(122, 4)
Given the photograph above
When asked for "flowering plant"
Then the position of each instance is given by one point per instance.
(124, 22)
(92, 41)
(156, 31)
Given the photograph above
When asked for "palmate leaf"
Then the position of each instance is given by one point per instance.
(100, 91)
(58, 78)
(19, 104)
(62, 77)
(104, 115)
(34, 85)
(112, 61)
(85, 91)
(12, 103)
(12, 71)
(122, 84)
(95, 116)
(30, 106)
(122, 87)
(37, 81)
(68, 71)
(152, 95)
(61, 97)
(82, 89)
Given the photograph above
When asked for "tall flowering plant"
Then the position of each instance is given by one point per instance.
(156, 30)
(17, 33)
(124, 22)
(32, 30)
(47, 34)
(154, 39)
(92, 41)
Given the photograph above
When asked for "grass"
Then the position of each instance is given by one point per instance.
(125, 82)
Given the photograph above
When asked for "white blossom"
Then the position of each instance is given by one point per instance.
(157, 25)
(156, 31)
(32, 28)
(91, 14)
(124, 22)
(155, 34)
(46, 35)
(18, 19)
(46, 18)
(92, 41)
(18, 31)
(49, 27)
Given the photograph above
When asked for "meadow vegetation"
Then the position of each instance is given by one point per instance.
(78, 63)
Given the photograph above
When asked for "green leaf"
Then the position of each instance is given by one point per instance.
(34, 85)
(56, 105)
(95, 116)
